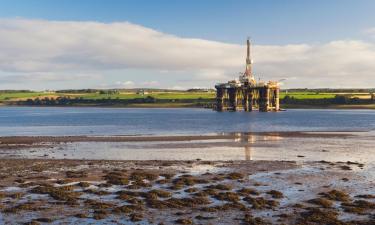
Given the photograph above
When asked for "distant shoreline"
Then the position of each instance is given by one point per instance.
(192, 105)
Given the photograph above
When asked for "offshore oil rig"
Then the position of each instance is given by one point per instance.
(247, 94)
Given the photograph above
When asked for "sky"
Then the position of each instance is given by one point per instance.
(69, 44)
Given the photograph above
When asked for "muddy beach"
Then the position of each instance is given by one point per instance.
(184, 192)
(276, 178)
(230, 178)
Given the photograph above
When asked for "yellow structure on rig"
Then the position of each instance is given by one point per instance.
(247, 94)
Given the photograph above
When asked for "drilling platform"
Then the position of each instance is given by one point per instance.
(246, 94)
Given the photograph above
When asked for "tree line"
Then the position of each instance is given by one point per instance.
(68, 101)
(337, 100)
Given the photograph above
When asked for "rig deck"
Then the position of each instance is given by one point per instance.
(233, 98)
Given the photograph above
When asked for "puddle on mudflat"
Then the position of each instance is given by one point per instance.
(358, 148)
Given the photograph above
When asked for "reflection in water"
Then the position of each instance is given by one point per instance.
(249, 139)
(248, 153)
(272, 138)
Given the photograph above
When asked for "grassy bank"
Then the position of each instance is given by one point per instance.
(339, 99)
(332, 106)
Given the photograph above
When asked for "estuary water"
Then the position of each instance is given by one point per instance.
(55, 121)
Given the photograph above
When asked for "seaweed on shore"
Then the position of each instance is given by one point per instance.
(128, 208)
(168, 176)
(184, 221)
(358, 206)
(188, 180)
(27, 206)
(223, 187)
(191, 190)
(336, 195)
(136, 217)
(97, 192)
(235, 176)
(275, 194)
(366, 196)
(177, 203)
(64, 193)
(227, 196)
(76, 174)
(323, 202)
(116, 178)
(16, 195)
(83, 184)
(247, 191)
(161, 193)
(93, 204)
(100, 214)
(200, 217)
(261, 203)
(318, 216)
(251, 220)
(143, 175)
(81, 215)
(231, 206)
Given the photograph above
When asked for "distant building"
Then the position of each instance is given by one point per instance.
(142, 92)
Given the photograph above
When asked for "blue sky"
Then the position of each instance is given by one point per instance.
(319, 24)
(267, 21)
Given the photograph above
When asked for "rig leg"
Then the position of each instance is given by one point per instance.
(245, 100)
(220, 99)
(232, 92)
(251, 101)
(277, 99)
(264, 99)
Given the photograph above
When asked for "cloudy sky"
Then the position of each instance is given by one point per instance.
(62, 44)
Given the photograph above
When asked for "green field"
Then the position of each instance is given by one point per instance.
(307, 95)
(157, 95)
(10, 96)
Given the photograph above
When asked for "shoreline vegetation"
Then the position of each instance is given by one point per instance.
(193, 98)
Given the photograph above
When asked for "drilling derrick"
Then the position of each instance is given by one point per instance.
(248, 76)
(245, 93)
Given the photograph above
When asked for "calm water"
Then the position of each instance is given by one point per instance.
(113, 121)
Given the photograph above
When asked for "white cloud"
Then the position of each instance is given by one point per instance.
(152, 83)
(131, 84)
(38, 45)
(124, 84)
(46, 77)
(176, 87)
(63, 50)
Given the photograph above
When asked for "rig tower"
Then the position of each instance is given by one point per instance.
(246, 94)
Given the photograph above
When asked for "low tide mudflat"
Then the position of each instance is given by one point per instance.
(233, 178)
(184, 192)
